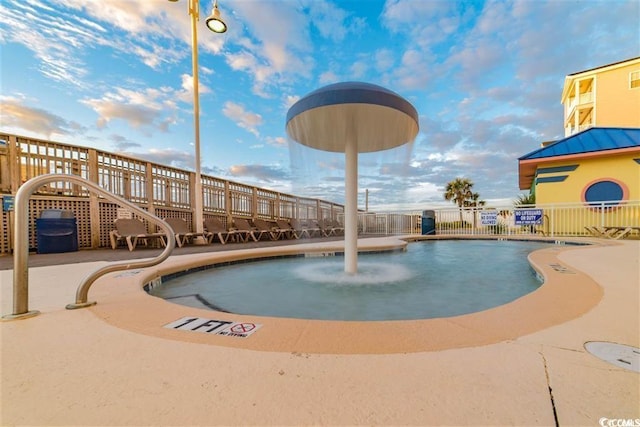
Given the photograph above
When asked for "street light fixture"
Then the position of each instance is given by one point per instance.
(217, 25)
(214, 22)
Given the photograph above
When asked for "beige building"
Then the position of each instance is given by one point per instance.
(606, 96)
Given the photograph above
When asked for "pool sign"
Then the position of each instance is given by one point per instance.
(8, 203)
(489, 217)
(216, 327)
(528, 216)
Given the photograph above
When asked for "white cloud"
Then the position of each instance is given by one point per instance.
(244, 119)
(264, 173)
(140, 109)
(165, 156)
(15, 113)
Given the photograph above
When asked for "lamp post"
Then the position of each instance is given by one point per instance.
(216, 24)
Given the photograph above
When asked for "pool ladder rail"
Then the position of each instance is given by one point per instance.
(21, 245)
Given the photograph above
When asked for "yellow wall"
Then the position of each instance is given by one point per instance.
(616, 104)
(621, 169)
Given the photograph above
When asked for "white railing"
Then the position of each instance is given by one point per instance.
(583, 98)
(554, 220)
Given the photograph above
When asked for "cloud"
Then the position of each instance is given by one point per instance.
(61, 39)
(278, 141)
(269, 51)
(244, 119)
(275, 54)
(14, 113)
(123, 144)
(144, 109)
(263, 173)
(164, 156)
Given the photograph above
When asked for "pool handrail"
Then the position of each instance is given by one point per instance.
(21, 245)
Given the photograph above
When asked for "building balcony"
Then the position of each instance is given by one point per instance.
(582, 99)
(570, 130)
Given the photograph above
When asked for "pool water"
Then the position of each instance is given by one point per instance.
(430, 280)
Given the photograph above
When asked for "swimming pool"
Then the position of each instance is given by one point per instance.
(430, 280)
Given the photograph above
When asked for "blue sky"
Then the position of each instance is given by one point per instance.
(485, 76)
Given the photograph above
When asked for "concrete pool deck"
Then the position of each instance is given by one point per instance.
(520, 364)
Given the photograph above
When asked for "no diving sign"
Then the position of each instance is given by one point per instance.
(216, 327)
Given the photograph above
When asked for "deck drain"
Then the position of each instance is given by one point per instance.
(620, 355)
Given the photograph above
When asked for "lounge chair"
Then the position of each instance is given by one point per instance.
(314, 229)
(300, 229)
(244, 229)
(264, 228)
(285, 230)
(338, 229)
(132, 231)
(182, 232)
(326, 227)
(214, 227)
(611, 232)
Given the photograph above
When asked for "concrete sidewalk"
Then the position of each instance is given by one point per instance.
(106, 366)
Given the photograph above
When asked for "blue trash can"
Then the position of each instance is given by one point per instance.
(428, 222)
(56, 231)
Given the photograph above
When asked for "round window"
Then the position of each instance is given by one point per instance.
(604, 191)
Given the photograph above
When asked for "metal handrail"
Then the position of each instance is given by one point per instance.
(21, 245)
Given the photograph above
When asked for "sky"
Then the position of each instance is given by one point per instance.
(486, 78)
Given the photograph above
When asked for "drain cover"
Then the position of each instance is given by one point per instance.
(620, 355)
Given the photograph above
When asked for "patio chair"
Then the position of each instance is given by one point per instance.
(314, 229)
(338, 229)
(182, 232)
(326, 227)
(264, 228)
(285, 230)
(244, 229)
(214, 227)
(300, 230)
(133, 231)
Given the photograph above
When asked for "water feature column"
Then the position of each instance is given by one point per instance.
(352, 118)
(351, 206)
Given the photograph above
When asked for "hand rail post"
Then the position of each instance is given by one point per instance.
(21, 245)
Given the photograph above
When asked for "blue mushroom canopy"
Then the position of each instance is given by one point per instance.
(377, 118)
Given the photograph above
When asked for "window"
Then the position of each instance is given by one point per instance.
(606, 193)
(634, 79)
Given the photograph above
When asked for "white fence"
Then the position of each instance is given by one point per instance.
(548, 220)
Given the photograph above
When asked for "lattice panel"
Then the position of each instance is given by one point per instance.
(108, 214)
(172, 213)
(223, 219)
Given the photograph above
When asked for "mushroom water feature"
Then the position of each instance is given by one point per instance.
(352, 117)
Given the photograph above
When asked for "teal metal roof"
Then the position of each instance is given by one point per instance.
(587, 141)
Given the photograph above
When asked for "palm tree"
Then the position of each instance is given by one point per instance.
(525, 199)
(459, 192)
(475, 202)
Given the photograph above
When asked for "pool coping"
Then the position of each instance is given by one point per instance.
(565, 295)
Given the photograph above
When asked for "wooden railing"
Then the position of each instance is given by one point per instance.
(159, 189)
